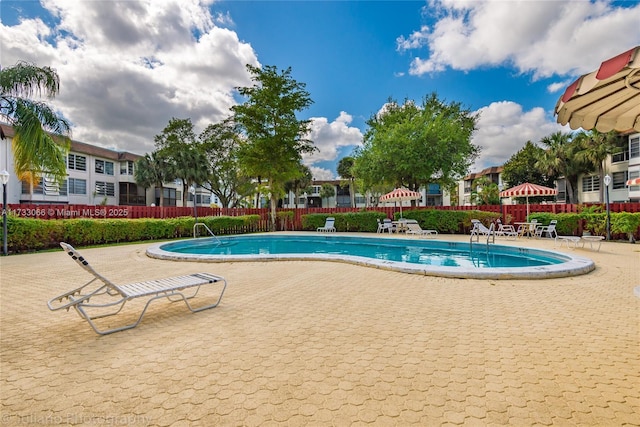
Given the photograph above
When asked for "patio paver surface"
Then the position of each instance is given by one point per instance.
(325, 343)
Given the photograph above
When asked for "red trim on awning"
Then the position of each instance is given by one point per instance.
(611, 66)
(570, 90)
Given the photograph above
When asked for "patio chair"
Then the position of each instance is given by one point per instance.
(414, 228)
(506, 230)
(385, 225)
(549, 229)
(328, 225)
(108, 299)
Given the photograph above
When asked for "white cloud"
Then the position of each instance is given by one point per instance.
(329, 137)
(544, 37)
(126, 70)
(322, 174)
(504, 128)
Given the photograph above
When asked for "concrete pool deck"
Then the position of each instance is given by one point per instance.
(326, 343)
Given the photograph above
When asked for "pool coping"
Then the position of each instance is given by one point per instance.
(576, 265)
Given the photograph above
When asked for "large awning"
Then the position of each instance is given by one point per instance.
(606, 99)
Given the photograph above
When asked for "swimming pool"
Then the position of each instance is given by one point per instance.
(433, 257)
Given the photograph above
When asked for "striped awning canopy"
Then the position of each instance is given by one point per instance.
(633, 181)
(605, 99)
(400, 195)
(527, 189)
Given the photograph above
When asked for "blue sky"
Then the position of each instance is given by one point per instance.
(127, 67)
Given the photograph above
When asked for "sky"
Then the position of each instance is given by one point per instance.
(127, 67)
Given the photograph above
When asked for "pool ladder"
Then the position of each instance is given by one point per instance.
(202, 224)
(491, 236)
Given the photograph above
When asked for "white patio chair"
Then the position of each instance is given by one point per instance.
(328, 225)
(549, 229)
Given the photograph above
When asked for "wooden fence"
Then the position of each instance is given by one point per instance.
(515, 213)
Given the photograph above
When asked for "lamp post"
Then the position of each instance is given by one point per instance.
(5, 180)
(500, 187)
(192, 190)
(607, 181)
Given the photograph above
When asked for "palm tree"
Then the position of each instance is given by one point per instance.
(153, 170)
(41, 136)
(303, 180)
(191, 166)
(595, 147)
(345, 170)
(327, 191)
(559, 159)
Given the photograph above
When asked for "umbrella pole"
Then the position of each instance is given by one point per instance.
(527, 218)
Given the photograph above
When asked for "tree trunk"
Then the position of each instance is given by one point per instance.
(274, 203)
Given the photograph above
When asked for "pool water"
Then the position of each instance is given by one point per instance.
(430, 253)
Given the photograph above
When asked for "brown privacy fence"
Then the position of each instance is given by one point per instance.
(509, 213)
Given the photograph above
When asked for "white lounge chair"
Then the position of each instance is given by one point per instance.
(479, 228)
(506, 230)
(414, 228)
(574, 240)
(328, 225)
(550, 229)
(107, 298)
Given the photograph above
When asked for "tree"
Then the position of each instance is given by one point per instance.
(153, 170)
(220, 143)
(275, 137)
(413, 145)
(345, 170)
(177, 142)
(485, 191)
(521, 167)
(326, 191)
(560, 160)
(594, 149)
(303, 181)
(41, 139)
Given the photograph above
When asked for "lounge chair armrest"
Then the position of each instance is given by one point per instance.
(74, 297)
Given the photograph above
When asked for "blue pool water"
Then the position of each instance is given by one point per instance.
(431, 257)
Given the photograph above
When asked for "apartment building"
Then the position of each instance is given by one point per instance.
(620, 167)
(95, 176)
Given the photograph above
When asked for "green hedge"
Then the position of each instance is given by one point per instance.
(363, 221)
(25, 234)
(623, 224)
(366, 221)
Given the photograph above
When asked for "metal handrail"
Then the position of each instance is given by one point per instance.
(195, 227)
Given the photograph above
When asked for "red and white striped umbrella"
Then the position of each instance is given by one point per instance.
(400, 195)
(526, 190)
(606, 99)
(633, 181)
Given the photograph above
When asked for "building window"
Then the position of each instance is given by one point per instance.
(126, 167)
(104, 167)
(634, 174)
(76, 162)
(622, 156)
(169, 198)
(591, 183)
(105, 188)
(467, 187)
(619, 180)
(63, 188)
(76, 186)
(634, 147)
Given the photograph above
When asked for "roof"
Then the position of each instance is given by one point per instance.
(488, 171)
(7, 131)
